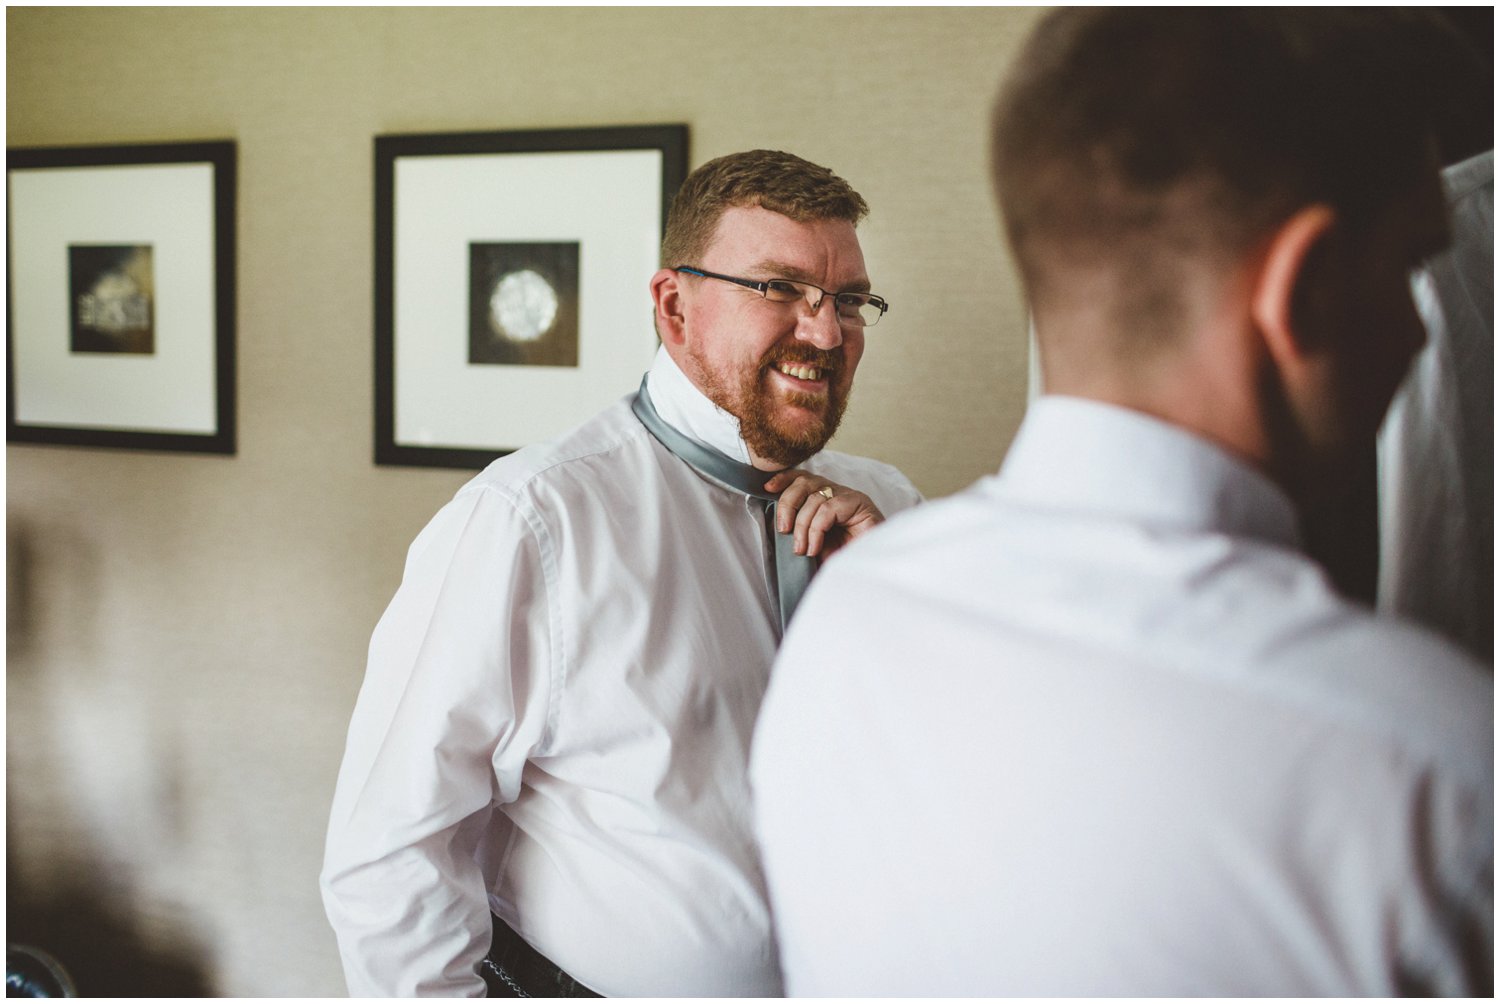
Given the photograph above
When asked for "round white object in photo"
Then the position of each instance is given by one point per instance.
(523, 306)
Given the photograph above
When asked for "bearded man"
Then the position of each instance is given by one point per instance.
(544, 788)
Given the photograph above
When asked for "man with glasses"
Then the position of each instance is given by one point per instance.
(544, 788)
(1098, 726)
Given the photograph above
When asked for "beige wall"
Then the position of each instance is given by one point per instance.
(187, 633)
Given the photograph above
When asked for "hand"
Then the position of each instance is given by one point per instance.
(821, 524)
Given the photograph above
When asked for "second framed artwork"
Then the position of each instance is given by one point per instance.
(511, 283)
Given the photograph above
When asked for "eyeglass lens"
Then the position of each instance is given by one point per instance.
(857, 307)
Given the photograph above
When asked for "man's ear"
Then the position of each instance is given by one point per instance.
(1284, 270)
(666, 298)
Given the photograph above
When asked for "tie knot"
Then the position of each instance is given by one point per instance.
(792, 571)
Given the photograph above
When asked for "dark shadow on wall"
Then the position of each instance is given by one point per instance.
(52, 575)
(102, 952)
(20, 593)
(83, 915)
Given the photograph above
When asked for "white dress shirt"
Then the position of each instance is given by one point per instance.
(1437, 448)
(555, 722)
(1096, 727)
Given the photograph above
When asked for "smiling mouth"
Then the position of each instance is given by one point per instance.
(800, 370)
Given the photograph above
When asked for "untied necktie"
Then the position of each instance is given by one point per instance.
(793, 571)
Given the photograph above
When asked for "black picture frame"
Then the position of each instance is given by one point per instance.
(587, 206)
(143, 359)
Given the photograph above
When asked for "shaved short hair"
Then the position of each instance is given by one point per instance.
(1143, 143)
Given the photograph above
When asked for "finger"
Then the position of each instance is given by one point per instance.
(781, 479)
(824, 520)
(819, 509)
(793, 498)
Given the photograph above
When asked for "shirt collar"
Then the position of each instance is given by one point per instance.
(1087, 455)
(688, 410)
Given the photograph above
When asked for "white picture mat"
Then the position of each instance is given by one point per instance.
(607, 201)
(171, 208)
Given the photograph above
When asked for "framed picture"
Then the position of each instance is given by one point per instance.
(512, 278)
(121, 296)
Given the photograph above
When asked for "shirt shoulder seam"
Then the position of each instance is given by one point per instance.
(560, 658)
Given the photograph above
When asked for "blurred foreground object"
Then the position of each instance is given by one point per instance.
(1437, 447)
(31, 972)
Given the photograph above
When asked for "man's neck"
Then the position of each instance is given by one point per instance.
(1209, 382)
(761, 463)
(688, 410)
(1204, 414)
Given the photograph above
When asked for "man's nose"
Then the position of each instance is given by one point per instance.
(820, 325)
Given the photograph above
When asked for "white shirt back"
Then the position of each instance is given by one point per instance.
(1095, 727)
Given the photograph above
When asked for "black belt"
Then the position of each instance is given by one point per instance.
(515, 969)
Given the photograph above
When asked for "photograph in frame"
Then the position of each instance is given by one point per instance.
(110, 298)
(523, 304)
(512, 283)
(121, 296)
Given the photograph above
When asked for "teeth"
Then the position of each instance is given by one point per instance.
(800, 372)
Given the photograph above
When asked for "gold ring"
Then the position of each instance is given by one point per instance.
(826, 491)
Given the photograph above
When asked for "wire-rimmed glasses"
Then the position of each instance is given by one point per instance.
(860, 309)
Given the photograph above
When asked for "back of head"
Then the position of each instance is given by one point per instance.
(777, 181)
(1135, 147)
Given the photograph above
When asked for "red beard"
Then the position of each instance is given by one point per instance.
(766, 429)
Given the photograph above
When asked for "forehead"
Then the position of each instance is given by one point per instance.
(755, 237)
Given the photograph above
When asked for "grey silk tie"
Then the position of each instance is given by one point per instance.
(793, 571)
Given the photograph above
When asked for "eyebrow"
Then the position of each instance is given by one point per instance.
(784, 271)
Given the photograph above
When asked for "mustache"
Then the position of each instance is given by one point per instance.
(831, 362)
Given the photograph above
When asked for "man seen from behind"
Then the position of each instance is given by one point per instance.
(1097, 725)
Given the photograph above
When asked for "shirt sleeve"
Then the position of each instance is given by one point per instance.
(454, 701)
